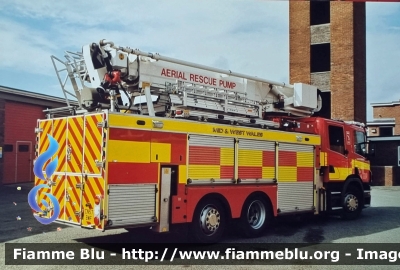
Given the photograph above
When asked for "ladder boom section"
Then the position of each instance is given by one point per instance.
(160, 85)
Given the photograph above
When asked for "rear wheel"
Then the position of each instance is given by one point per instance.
(209, 221)
(352, 204)
(256, 216)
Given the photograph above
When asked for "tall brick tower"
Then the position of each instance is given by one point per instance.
(327, 49)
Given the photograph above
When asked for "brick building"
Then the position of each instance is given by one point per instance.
(384, 133)
(386, 119)
(19, 111)
(328, 49)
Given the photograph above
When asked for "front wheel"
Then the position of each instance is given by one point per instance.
(208, 223)
(352, 204)
(256, 216)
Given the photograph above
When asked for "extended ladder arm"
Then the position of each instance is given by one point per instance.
(160, 85)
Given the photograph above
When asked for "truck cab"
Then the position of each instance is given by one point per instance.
(344, 167)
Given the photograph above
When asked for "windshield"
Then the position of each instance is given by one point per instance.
(359, 143)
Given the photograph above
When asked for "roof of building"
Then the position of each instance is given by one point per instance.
(382, 121)
(381, 139)
(19, 95)
(381, 104)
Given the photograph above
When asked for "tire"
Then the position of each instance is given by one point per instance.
(256, 216)
(208, 224)
(352, 203)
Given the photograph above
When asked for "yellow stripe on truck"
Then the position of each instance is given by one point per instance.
(227, 156)
(287, 174)
(268, 172)
(129, 121)
(204, 171)
(250, 158)
(182, 174)
(323, 159)
(340, 174)
(305, 159)
(161, 152)
(361, 165)
(128, 151)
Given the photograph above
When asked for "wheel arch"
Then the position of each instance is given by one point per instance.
(260, 194)
(220, 198)
(353, 181)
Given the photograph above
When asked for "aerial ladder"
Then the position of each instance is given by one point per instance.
(157, 85)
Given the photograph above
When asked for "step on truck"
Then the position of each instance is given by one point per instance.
(152, 141)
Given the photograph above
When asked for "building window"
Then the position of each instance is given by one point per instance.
(320, 57)
(336, 139)
(8, 148)
(320, 12)
(23, 148)
(385, 131)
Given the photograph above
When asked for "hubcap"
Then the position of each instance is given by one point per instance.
(256, 214)
(351, 202)
(210, 219)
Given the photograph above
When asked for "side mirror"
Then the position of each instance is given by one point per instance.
(365, 149)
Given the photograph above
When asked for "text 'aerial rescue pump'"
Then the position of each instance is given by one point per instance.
(155, 141)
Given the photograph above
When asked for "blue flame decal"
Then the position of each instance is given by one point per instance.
(35, 206)
(50, 169)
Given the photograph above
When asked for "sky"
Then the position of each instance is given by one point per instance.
(248, 36)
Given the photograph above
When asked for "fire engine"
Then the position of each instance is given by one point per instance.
(154, 141)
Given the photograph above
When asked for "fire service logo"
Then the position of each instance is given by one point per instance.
(38, 171)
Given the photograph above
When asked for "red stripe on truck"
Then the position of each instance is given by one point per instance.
(132, 173)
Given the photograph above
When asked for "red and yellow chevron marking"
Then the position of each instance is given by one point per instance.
(92, 144)
(60, 135)
(104, 152)
(74, 144)
(92, 198)
(46, 126)
(40, 196)
(43, 142)
(211, 162)
(59, 192)
(73, 203)
(256, 164)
